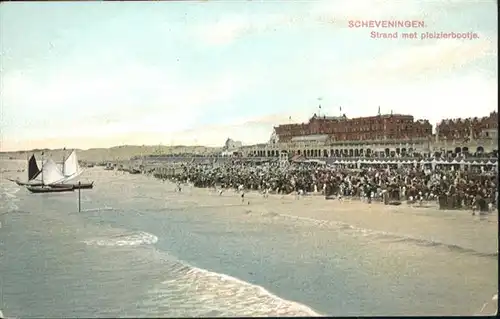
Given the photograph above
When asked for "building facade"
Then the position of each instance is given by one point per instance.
(470, 135)
(232, 145)
(393, 135)
(380, 127)
(469, 128)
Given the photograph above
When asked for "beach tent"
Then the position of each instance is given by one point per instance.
(298, 158)
(316, 161)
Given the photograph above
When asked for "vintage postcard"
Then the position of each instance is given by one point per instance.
(248, 158)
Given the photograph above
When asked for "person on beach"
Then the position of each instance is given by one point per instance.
(411, 183)
(266, 193)
(474, 204)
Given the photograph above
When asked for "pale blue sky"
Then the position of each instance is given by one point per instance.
(99, 74)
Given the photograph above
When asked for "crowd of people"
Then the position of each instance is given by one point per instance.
(452, 189)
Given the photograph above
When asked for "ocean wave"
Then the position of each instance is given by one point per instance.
(130, 239)
(9, 195)
(392, 237)
(98, 209)
(489, 308)
(8, 200)
(196, 292)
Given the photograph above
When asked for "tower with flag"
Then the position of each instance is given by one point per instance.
(319, 107)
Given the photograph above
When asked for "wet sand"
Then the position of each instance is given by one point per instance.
(387, 262)
(477, 233)
(426, 226)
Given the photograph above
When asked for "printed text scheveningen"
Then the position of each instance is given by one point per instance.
(372, 24)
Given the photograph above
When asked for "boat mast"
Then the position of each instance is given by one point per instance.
(42, 171)
(64, 150)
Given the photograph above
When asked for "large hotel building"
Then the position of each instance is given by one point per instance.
(387, 135)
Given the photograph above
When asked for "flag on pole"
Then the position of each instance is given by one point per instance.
(341, 109)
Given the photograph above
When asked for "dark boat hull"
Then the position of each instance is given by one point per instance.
(25, 184)
(74, 186)
(49, 189)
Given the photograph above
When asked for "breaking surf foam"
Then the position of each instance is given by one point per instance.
(196, 292)
(489, 308)
(130, 239)
(8, 199)
(99, 209)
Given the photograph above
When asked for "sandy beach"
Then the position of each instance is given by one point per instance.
(391, 242)
(453, 228)
(426, 227)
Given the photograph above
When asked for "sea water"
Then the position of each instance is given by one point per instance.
(140, 249)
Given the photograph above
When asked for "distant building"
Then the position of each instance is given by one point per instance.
(469, 128)
(384, 135)
(380, 127)
(232, 145)
(469, 135)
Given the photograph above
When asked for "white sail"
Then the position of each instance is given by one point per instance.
(51, 174)
(71, 168)
(36, 180)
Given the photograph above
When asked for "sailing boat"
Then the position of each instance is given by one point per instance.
(70, 170)
(33, 172)
(49, 175)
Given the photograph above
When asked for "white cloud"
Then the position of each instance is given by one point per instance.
(132, 98)
(339, 12)
(423, 61)
(139, 104)
(223, 31)
(231, 27)
(441, 56)
(466, 96)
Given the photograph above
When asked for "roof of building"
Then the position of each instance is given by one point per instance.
(304, 138)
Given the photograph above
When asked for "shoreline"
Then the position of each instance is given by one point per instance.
(452, 228)
(448, 231)
(329, 217)
(459, 228)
